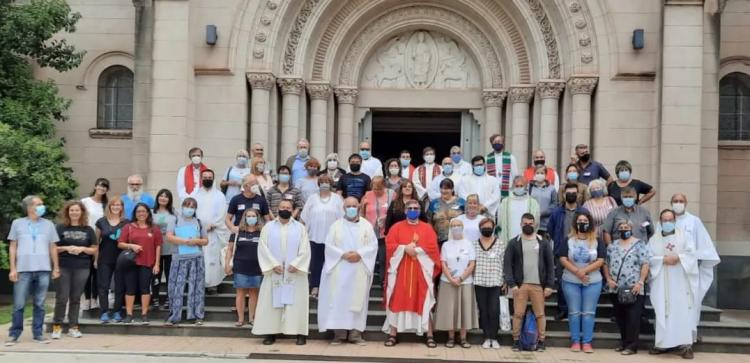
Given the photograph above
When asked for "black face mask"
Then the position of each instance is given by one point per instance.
(585, 157)
(527, 229)
(625, 234)
(285, 214)
(539, 162)
(583, 227)
(571, 197)
(355, 167)
(207, 183)
(486, 231)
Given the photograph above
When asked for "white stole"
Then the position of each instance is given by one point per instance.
(360, 278)
(680, 245)
(285, 252)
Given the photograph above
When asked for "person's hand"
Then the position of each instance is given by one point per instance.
(228, 269)
(136, 248)
(411, 251)
(211, 227)
(612, 283)
(354, 257)
(13, 276)
(155, 270)
(278, 270)
(292, 269)
(55, 273)
(504, 289)
(235, 229)
(547, 292)
(580, 274)
(456, 281)
(73, 250)
(96, 265)
(585, 279)
(514, 289)
(671, 260)
(636, 289)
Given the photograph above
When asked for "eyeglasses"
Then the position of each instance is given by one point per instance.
(412, 208)
(135, 184)
(365, 149)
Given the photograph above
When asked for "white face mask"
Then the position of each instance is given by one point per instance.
(678, 208)
(394, 171)
(333, 164)
(255, 189)
(196, 160)
(429, 159)
(539, 177)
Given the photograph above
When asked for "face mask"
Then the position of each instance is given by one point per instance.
(302, 153)
(457, 232)
(497, 147)
(207, 183)
(626, 234)
(456, 158)
(571, 197)
(333, 164)
(405, 162)
(251, 220)
(365, 154)
(583, 227)
(527, 229)
(188, 212)
(351, 212)
(597, 193)
(623, 175)
(260, 167)
(486, 231)
(255, 189)
(355, 167)
(394, 171)
(573, 176)
(283, 178)
(429, 159)
(196, 160)
(539, 177)
(538, 162)
(585, 157)
(678, 208)
(40, 210)
(448, 169)
(412, 214)
(628, 202)
(241, 160)
(667, 227)
(325, 187)
(285, 214)
(479, 170)
(312, 172)
(519, 191)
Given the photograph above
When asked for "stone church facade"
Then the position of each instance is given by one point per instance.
(547, 74)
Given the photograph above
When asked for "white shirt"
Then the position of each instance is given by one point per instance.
(471, 226)
(457, 254)
(429, 170)
(94, 209)
(405, 172)
(319, 215)
(234, 173)
(181, 191)
(488, 189)
(433, 191)
(499, 167)
(372, 167)
(463, 168)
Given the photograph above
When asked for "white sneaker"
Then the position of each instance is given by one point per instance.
(85, 304)
(487, 344)
(94, 304)
(74, 333)
(495, 344)
(56, 332)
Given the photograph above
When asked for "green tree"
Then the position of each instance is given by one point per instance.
(32, 158)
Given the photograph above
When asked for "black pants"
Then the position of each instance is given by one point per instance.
(68, 288)
(628, 318)
(488, 302)
(91, 290)
(562, 304)
(165, 262)
(138, 280)
(381, 260)
(105, 272)
(317, 259)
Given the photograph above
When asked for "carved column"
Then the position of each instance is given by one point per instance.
(520, 98)
(493, 110)
(319, 94)
(347, 97)
(549, 91)
(290, 91)
(261, 84)
(581, 87)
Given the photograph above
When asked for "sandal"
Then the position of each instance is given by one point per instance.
(391, 341)
(430, 342)
(450, 343)
(464, 344)
(239, 323)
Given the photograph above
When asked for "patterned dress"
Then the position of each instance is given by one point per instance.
(631, 264)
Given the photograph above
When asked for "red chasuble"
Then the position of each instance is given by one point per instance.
(410, 291)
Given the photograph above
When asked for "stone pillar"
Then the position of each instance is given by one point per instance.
(581, 87)
(144, 46)
(681, 102)
(520, 98)
(319, 94)
(493, 111)
(549, 91)
(262, 83)
(290, 117)
(347, 97)
(172, 93)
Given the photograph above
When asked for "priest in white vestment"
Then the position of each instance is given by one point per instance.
(450, 172)
(284, 258)
(674, 282)
(212, 206)
(424, 173)
(483, 185)
(706, 253)
(351, 248)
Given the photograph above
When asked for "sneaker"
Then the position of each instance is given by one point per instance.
(74, 332)
(540, 347)
(587, 348)
(687, 352)
(94, 303)
(495, 344)
(516, 346)
(198, 321)
(85, 304)
(144, 320)
(118, 317)
(105, 318)
(575, 347)
(487, 344)
(41, 340)
(11, 341)
(56, 331)
(128, 319)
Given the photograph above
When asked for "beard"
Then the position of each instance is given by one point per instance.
(134, 194)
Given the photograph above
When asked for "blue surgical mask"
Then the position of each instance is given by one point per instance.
(405, 162)
(623, 175)
(241, 160)
(302, 153)
(573, 176)
(448, 169)
(40, 210)
(628, 202)
(188, 212)
(365, 154)
(479, 170)
(456, 158)
(351, 212)
(519, 191)
(251, 220)
(497, 147)
(597, 193)
(667, 227)
(412, 214)
(284, 178)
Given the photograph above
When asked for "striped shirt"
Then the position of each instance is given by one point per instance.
(489, 264)
(600, 212)
(274, 197)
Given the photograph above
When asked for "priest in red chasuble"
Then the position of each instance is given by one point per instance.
(412, 262)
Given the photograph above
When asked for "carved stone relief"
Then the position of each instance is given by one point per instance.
(290, 50)
(550, 42)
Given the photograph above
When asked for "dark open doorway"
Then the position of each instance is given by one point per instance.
(393, 131)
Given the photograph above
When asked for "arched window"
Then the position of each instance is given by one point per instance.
(734, 107)
(115, 99)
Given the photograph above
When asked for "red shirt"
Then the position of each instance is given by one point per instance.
(148, 238)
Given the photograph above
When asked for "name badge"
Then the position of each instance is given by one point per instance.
(256, 206)
(588, 173)
(241, 207)
(645, 224)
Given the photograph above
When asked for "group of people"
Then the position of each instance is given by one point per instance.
(446, 240)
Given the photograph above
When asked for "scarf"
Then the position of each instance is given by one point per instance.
(189, 182)
(422, 170)
(504, 172)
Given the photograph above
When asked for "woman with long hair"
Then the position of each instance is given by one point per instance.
(397, 209)
(163, 216)
(109, 229)
(95, 205)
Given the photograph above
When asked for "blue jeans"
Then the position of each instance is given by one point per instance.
(582, 300)
(34, 284)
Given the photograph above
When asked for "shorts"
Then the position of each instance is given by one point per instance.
(242, 281)
(138, 280)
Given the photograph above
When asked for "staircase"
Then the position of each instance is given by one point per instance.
(716, 336)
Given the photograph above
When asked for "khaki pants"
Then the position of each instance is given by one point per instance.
(521, 297)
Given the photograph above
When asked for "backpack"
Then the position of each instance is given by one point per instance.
(529, 332)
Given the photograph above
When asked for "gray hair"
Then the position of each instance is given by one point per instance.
(332, 156)
(621, 221)
(599, 183)
(27, 200)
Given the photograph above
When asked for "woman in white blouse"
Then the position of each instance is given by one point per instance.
(94, 203)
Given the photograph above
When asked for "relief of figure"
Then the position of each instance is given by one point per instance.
(452, 71)
(421, 56)
(389, 72)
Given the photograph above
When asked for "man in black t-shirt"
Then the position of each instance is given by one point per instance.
(249, 198)
(355, 183)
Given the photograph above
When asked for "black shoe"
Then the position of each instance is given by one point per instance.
(269, 339)
(687, 352)
(540, 347)
(301, 340)
(210, 291)
(516, 346)
(656, 351)
(128, 319)
(562, 315)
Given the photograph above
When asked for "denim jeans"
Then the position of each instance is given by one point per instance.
(582, 300)
(34, 284)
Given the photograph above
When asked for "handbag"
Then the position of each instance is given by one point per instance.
(126, 258)
(625, 295)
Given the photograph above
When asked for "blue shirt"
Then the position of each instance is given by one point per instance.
(34, 239)
(594, 170)
(298, 169)
(129, 204)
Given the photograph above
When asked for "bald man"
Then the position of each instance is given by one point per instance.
(539, 158)
(370, 164)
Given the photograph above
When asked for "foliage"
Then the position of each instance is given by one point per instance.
(32, 158)
(4, 262)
